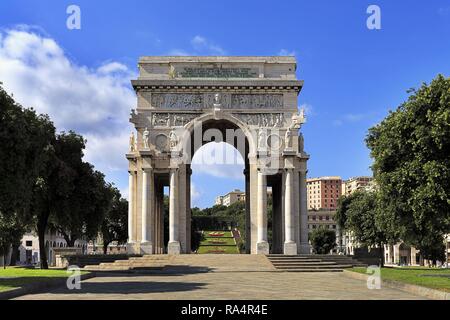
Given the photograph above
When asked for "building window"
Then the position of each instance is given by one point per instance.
(29, 243)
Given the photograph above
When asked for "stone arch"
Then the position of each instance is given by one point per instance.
(234, 123)
(172, 107)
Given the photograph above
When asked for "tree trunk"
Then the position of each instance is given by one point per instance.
(105, 247)
(70, 240)
(42, 226)
(382, 255)
(14, 254)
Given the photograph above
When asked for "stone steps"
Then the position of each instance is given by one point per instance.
(156, 262)
(301, 267)
(310, 263)
(303, 263)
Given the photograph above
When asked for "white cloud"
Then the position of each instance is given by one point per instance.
(286, 52)
(202, 44)
(352, 118)
(195, 193)
(199, 46)
(218, 160)
(93, 102)
(199, 41)
(112, 67)
(309, 110)
(179, 52)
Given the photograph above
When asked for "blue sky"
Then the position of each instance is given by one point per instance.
(352, 75)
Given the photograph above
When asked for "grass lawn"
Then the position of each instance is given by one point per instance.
(421, 276)
(225, 234)
(225, 249)
(224, 241)
(16, 277)
(225, 245)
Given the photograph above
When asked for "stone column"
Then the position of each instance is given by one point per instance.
(248, 233)
(396, 253)
(147, 210)
(262, 246)
(290, 246)
(131, 236)
(413, 256)
(174, 242)
(304, 247)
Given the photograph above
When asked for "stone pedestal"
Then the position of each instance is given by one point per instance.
(304, 248)
(262, 247)
(146, 247)
(174, 247)
(131, 248)
(290, 248)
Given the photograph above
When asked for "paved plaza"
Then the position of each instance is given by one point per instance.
(224, 285)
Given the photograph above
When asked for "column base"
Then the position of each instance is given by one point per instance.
(290, 248)
(131, 247)
(262, 247)
(304, 248)
(146, 247)
(174, 247)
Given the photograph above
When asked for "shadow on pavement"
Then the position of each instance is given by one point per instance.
(130, 287)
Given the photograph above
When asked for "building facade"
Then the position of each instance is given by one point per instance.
(356, 183)
(323, 192)
(29, 251)
(230, 198)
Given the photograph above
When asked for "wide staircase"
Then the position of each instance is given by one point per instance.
(313, 263)
(132, 264)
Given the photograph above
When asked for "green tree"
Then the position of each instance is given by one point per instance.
(11, 231)
(412, 166)
(114, 226)
(360, 215)
(322, 240)
(55, 186)
(25, 139)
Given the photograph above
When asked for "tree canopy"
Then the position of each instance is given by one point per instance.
(322, 240)
(45, 182)
(410, 148)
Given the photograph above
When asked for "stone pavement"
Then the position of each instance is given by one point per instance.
(196, 277)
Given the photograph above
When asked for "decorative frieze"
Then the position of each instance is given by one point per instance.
(275, 120)
(167, 119)
(206, 100)
(257, 101)
(178, 100)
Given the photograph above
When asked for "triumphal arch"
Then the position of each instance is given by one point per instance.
(248, 102)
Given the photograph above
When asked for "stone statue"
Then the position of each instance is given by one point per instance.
(301, 143)
(262, 137)
(172, 73)
(288, 139)
(298, 119)
(173, 139)
(132, 142)
(217, 98)
(145, 138)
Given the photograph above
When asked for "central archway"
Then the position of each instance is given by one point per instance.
(218, 134)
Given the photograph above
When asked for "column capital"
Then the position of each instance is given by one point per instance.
(147, 169)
